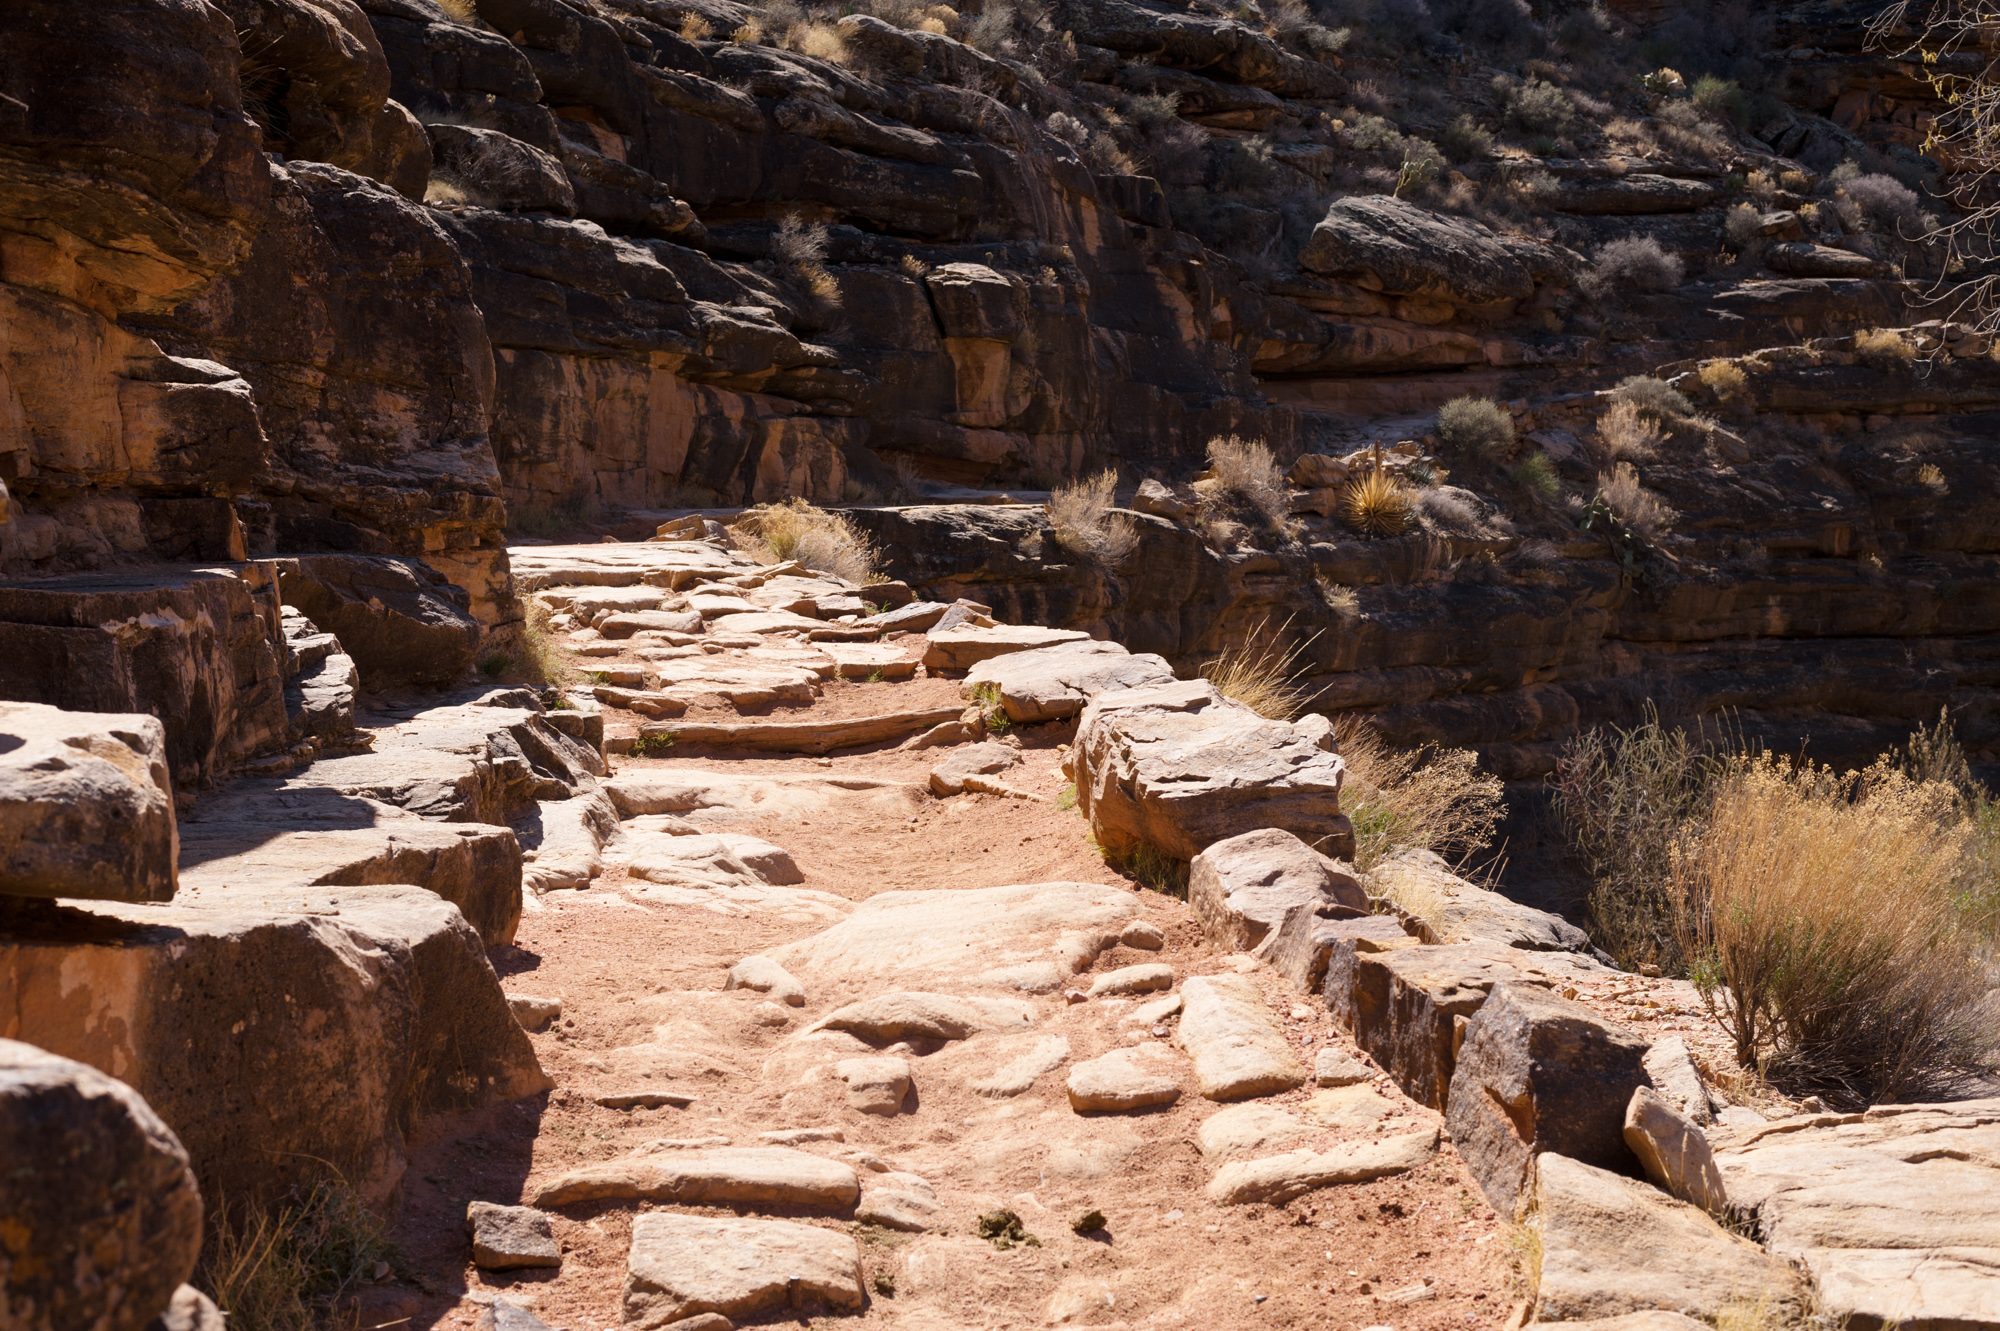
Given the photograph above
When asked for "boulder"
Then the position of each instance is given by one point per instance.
(511, 1238)
(499, 171)
(280, 1034)
(973, 767)
(1142, 1077)
(1673, 1152)
(86, 805)
(1126, 981)
(1671, 1070)
(1393, 245)
(685, 1265)
(401, 622)
(878, 1085)
(1612, 1245)
(1237, 1051)
(915, 1015)
(899, 1200)
(1243, 889)
(1802, 258)
(965, 647)
(1304, 945)
(1055, 683)
(1468, 913)
(1178, 767)
(766, 976)
(1537, 1072)
(100, 1220)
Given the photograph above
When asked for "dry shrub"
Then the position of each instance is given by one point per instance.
(1724, 378)
(827, 542)
(541, 659)
(1743, 226)
(1654, 396)
(1476, 427)
(818, 39)
(461, 11)
(1451, 510)
(1085, 523)
(1627, 432)
(1633, 263)
(1888, 347)
(1376, 504)
(1243, 471)
(1824, 930)
(285, 1270)
(1261, 672)
(1637, 507)
(695, 27)
(1426, 798)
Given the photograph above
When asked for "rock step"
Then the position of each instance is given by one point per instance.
(814, 737)
(682, 1266)
(714, 1176)
(1237, 1051)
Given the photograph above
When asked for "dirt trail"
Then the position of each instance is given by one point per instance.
(641, 958)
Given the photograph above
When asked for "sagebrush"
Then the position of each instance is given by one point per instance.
(1084, 520)
(826, 542)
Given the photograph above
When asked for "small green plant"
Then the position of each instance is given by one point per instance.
(1066, 798)
(1151, 867)
(653, 744)
(992, 709)
(1536, 474)
(495, 664)
(876, 676)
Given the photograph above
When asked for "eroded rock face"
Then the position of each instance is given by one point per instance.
(274, 1030)
(86, 805)
(100, 1220)
(1178, 767)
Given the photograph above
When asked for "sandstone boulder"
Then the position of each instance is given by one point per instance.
(915, 1015)
(1468, 913)
(1279, 1178)
(973, 767)
(86, 805)
(100, 1221)
(1537, 1072)
(1128, 980)
(1304, 945)
(1613, 1245)
(511, 1238)
(1674, 1152)
(1124, 1080)
(878, 1085)
(1055, 683)
(1237, 1051)
(1178, 767)
(1391, 244)
(399, 620)
(277, 1033)
(685, 1265)
(1243, 889)
(965, 647)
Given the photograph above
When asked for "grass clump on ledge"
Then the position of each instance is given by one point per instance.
(822, 541)
(1476, 427)
(1084, 520)
(1426, 798)
(1261, 672)
(1244, 472)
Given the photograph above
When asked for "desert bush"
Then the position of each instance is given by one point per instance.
(1655, 397)
(1822, 925)
(799, 246)
(1427, 798)
(1466, 140)
(1633, 263)
(1743, 226)
(695, 27)
(818, 39)
(1720, 99)
(1068, 128)
(1536, 107)
(1638, 508)
(1376, 504)
(1083, 519)
(1724, 378)
(827, 542)
(541, 659)
(285, 1269)
(1885, 346)
(1626, 432)
(460, 11)
(1536, 474)
(1260, 671)
(1625, 798)
(1877, 202)
(1244, 470)
(1449, 510)
(1476, 427)
(1107, 157)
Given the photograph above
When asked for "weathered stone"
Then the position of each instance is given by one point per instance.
(898, 1200)
(766, 976)
(1043, 1054)
(1467, 913)
(100, 1220)
(86, 805)
(400, 621)
(1178, 767)
(1304, 944)
(1243, 889)
(1144, 979)
(280, 1034)
(915, 1015)
(1251, 1129)
(1673, 1152)
(1673, 1074)
(1337, 1067)
(1236, 1049)
(1612, 1245)
(961, 769)
(719, 1176)
(1280, 1178)
(1409, 250)
(682, 1265)
(1123, 1080)
(878, 1085)
(1537, 1072)
(1054, 683)
(192, 1310)
(964, 648)
(509, 1238)
(534, 1011)
(1031, 937)
(503, 1315)
(701, 859)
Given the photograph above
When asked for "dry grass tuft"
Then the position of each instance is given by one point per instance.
(541, 660)
(460, 11)
(695, 27)
(1261, 672)
(1245, 470)
(285, 1270)
(1377, 504)
(1886, 347)
(826, 542)
(1085, 522)
(1628, 433)
(1425, 799)
(1724, 378)
(1823, 926)
(1637, 507)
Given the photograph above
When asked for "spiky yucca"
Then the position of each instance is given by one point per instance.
(1376, 504)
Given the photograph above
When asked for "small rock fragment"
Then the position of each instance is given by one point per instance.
(877, 1085)
(533, 1011)
(1337, 1067)
(1146, 979)
(507, 1238)
(766, 976)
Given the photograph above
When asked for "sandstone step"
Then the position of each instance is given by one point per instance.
(1037, 1057)
(700, 859)
(965, 647)
(684, 1265)
(1147, 978)
(1244, 888)
(1280, 1178)
(818, 736)
(1142, 1077)
(878, 1085)
(1055, 683)
(669, 564)
(712, 1176)
(716, 795)
(914, 1015)
(1237, 1051)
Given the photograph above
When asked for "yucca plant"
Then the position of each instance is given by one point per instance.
(1376, 504)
